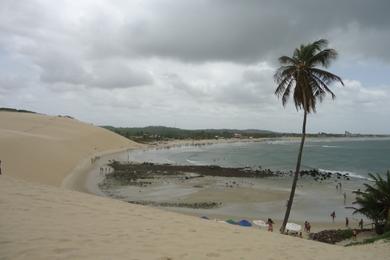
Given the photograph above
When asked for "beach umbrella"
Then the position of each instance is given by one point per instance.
(293, 227)
(244, 223)
(260, 223)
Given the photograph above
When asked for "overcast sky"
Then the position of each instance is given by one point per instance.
(192, 64)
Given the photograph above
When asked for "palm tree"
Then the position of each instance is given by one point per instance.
(374, 202)
(300, 76)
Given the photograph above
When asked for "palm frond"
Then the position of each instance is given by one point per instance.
(324, 58)
(287, 91)
(326, 76)
(374, 202)
(298, 76)
(322, 86)
(285, 60)
(283, 72)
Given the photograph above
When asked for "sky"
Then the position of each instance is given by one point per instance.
(192, 64)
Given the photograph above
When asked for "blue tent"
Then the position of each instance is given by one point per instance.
(244, 223)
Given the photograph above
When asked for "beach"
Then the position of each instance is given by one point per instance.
(45, 157)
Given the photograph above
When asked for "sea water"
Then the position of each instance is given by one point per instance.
(358, 157)
(314, 200)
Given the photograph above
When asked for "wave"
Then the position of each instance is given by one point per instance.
(283, 142)
(350, 174)
(330, 146)
(196, 162)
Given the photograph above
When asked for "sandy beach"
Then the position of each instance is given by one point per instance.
(43, 157)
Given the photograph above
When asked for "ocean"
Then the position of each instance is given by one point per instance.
(314, 200)
(358, 157)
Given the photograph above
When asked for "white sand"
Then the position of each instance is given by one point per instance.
(47, 222)
(45, 149)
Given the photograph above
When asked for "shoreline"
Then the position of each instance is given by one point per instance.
(84, 176)
(77, 179)
(192, 142)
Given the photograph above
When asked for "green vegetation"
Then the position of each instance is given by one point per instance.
(331, 236)
(7, 109)
(156, 133)
(344, 233)
(374, 202)
(298, 75)
(385, 237)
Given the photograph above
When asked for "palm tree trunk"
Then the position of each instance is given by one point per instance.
(388, 219)
(296, 175)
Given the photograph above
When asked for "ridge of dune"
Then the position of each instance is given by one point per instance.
(41, 221)
(45, 149)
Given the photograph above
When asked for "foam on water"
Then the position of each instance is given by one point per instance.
(350, 174)
(330, 146)
(196, 162)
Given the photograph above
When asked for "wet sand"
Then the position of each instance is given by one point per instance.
(242, 198)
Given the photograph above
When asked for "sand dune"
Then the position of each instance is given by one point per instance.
(45, 149)
(41, 221)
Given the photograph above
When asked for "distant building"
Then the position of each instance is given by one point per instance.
(236, 135)
(348, 133)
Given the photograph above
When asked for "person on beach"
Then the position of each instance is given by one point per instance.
(0, 167)
(305, 226)
(354, 234)
(345, 198)
(333, 215)
(308, 227)
(361, 224)
(346, 222)
(270, 225)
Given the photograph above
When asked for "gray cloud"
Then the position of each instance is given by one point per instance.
(200, 63)
(242, 31)
(116, 74)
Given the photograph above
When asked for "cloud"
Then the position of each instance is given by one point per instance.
(191, 64)
(244, 32)
(116, 74)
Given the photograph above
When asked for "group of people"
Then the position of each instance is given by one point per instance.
(270, 224)
(105, 169)
(333, 216)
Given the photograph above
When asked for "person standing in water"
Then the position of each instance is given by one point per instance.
(345, 198)
(333, 215)
(346, 222)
